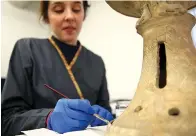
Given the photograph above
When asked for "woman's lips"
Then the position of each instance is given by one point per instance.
(69, 29)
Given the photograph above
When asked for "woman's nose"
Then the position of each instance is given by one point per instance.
(69, 15)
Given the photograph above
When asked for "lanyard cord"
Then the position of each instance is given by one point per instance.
(68, 67)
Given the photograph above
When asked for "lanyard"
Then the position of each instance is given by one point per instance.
(69, 66)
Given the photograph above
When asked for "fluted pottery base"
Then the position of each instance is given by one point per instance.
(165, 100)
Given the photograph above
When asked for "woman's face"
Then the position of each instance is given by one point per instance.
(65, 19)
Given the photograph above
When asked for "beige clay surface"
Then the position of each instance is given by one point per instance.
(165, 100)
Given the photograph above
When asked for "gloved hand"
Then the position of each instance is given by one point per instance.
(103, 113)
(70, 115)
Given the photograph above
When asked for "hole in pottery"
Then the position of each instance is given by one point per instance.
(162, 71)
(138, 108)
(174, 112)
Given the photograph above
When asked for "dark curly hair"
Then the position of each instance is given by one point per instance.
(44, 9)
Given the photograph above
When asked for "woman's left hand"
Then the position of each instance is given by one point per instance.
(103, 113)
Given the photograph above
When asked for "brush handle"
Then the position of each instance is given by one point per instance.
(95, 115)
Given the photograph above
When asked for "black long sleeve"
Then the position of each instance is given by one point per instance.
(103, 97)
(33, 63)
(17, 100)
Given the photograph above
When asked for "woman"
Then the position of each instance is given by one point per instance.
(62, 63)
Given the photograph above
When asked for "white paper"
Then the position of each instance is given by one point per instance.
(91, 131)
(40, 132)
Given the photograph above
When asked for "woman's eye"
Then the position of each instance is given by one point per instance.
(76, 10)
(59, 11)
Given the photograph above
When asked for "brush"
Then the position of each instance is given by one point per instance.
(96, 115)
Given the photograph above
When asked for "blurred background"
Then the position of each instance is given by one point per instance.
(105, 32)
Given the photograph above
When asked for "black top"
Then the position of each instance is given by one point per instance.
(26, 102)
(68, 51)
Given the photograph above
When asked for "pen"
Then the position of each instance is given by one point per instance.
(96, 115)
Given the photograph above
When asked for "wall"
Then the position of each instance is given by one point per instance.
(106, 32)
(17, 24)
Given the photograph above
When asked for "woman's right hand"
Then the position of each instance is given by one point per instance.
(70, 115)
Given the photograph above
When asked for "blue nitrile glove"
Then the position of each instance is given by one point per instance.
(103, 113)
(70, 115)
